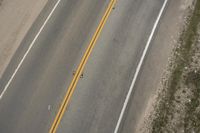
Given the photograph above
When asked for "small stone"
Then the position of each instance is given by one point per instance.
(195, 71)
(49, 107)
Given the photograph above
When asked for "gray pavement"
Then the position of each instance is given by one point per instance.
(33, 97)
(99, 96)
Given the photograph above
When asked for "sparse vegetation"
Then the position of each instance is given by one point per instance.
(192, 118)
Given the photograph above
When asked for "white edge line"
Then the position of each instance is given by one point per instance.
(139, 67)
(31, 45)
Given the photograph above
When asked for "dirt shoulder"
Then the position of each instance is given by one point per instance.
(16, 17)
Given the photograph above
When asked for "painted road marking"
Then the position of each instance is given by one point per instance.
(29, 48)
(81, 66)
(139, 67)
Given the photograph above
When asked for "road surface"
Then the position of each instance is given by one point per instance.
(43, 78)
(100, 94)
(33, 97)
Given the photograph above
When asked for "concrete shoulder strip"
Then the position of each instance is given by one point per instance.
(29, 48)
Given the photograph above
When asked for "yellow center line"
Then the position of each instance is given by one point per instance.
(81, 66)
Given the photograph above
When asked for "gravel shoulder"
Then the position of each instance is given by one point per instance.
(16, 17)
(178, 106)
(155, 67)
(175, 105)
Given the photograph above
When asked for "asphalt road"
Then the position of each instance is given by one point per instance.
(35, 94)
(44, 76)
(100, 94)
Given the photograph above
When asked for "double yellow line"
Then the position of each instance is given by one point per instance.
(81, 66)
